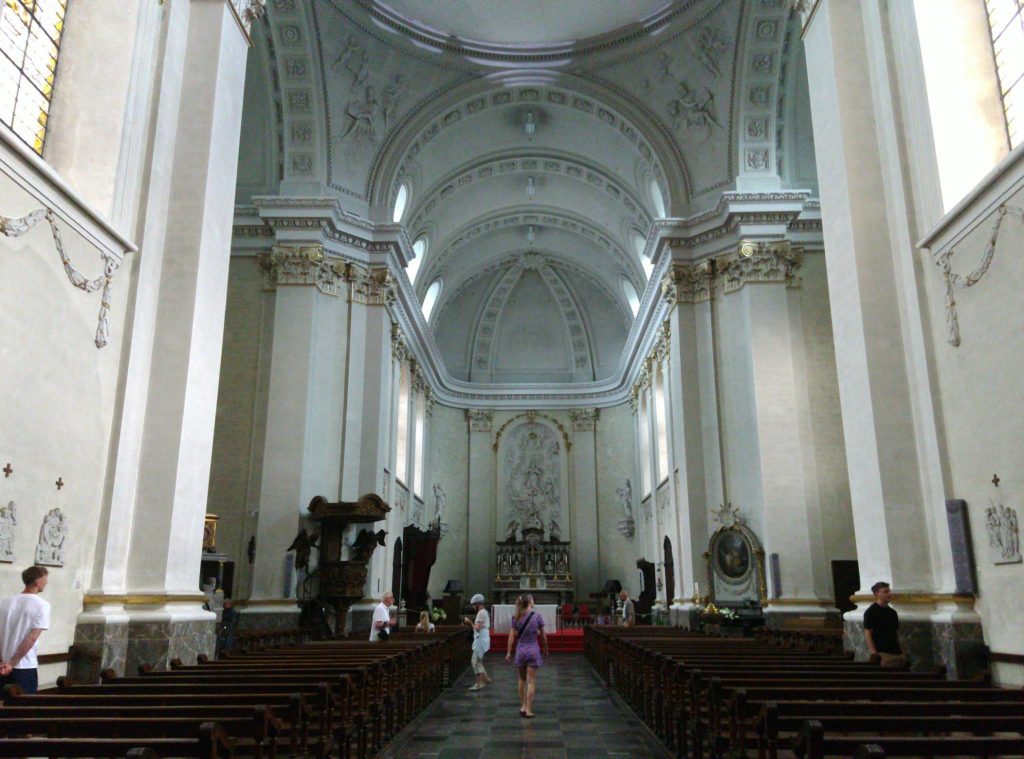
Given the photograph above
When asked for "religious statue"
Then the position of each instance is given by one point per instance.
(517, 567)
(554, 531)
(366, 543)
(626, 499)
(511, 530)
(8, 521)
(440, 502)
(549, 564)
(504, 565)
(303, 545)
(50, 549)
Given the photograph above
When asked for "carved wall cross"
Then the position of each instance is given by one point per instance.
(59, 483)
(7, 470)
(995, 480)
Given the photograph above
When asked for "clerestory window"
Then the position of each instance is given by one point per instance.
(1007, 27)
(30, 34)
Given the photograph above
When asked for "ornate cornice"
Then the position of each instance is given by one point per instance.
(584, 419)
(287, 265)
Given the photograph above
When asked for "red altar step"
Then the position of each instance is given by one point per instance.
(562, 642)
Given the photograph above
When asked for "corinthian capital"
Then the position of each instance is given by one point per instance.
(287, 265)
(687, 283)
(479, 419)
(371, 287)
(775, 261)
(249, 11)
(583, 419)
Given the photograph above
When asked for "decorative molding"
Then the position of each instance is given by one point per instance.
(16, 227)
(133, 599)
(399, 349)
(479, 420)
(944, 261)
(533, 416)
(248, 11)
(584, 419)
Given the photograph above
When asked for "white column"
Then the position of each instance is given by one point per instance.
(480, 517)
(899, 538)
(586, 548)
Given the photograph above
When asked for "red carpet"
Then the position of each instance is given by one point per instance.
(562, 642)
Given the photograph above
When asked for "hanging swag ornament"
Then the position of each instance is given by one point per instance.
(17, 227)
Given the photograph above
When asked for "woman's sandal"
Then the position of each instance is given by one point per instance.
(522, 712)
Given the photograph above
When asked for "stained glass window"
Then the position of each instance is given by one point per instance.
(1007, 25)
(30, 32)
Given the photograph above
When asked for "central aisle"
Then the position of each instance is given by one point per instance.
(576, 717)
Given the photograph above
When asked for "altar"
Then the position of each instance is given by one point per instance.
(502, 614)
(533, 565)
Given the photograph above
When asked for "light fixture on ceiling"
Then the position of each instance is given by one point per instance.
(531, 125)
(531, 186)
(530, 234)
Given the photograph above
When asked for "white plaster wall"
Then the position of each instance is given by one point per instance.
(59, 399)
(449, 446)
(981, 396)
(616, 462)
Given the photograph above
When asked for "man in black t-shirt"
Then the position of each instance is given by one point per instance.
(881, 625)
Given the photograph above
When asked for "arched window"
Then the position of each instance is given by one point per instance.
(1007, 24)
(431, 298)
(30, 34)
(402, 438)
(419, 440)
(645, 445)
(419, 249)
(661, 422)
(656, 197)
(401, 201)
(631, 296)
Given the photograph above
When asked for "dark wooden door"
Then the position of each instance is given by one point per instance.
(846, 581)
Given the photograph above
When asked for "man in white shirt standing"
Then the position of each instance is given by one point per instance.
(22, 620)
(382, 616)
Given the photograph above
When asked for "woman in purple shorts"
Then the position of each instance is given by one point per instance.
(530, 644)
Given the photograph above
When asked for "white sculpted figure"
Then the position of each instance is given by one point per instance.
(440, 502)
(511, 530)
(554, 531)
(50, 550)
(8, 521)
(626, 499)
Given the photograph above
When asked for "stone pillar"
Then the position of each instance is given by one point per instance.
(889, 421)
(144, 604)
(306, 304)
(586, 548)
(694, 420)
(481, 507)
(767, 427)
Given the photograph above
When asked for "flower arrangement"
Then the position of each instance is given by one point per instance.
(437, 614)
(729, 614)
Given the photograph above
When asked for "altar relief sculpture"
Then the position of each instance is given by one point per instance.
(534, 477)
(1003, 534)
(8, 521)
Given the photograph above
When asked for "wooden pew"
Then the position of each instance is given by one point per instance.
(209, 742)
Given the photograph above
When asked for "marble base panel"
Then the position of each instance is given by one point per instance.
(686, 616)
(803, 618)
(959, 646)
(286, 619)
(98, 646)
(157, 642)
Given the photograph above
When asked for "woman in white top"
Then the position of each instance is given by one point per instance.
(425, 625)
(481, 640)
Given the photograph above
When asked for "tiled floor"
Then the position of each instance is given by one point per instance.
(577, 717)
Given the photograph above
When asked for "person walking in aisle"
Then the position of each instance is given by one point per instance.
(481, 640)
(530, 644)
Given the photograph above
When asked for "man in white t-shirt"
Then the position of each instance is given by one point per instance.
(22, 620)
(382, 616)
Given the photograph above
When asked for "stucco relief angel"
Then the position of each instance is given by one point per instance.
(692, 110)
(360, 118)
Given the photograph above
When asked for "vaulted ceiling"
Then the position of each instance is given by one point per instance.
(537, 142)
